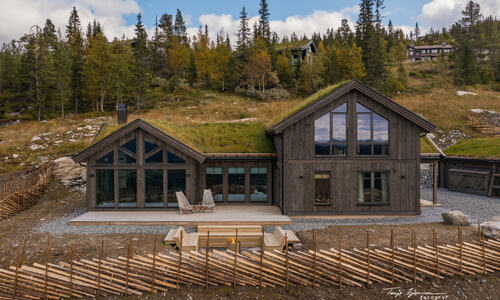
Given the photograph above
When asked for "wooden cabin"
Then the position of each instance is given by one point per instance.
(348, 151)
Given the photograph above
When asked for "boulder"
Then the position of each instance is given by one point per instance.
(70, 174)
(491, 230)
(456, 217)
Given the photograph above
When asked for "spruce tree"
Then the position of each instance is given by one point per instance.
(243, 30)
(180, 27)
(140, 54)
(264, 28)
(75, 42)
(470, 16)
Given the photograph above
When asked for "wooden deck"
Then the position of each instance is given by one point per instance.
(223, 215)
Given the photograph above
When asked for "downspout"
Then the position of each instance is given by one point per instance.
(282, 176)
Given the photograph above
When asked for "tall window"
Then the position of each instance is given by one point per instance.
(236, 184)
(373, 132)
(127, 188)
(258, 184)
(214, 182)
(176, 183)
(153, 188)
(105, 187)
(322, 188)
(330, 132)
(373, 188)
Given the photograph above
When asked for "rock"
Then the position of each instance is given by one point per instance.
(15, 155)
(491, 229)
(298, 246)
(70, 174)
(72, 140)
(89, 127)
(461, 93)
(456, 217)
(36, 138)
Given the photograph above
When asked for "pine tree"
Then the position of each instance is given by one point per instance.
(140, 54)
(202, 56)
(264, 28)
(470, 16)
(122, 75)
(75, 41)
(180, 27)
(62, 66)
(243, 30)
(416, 33)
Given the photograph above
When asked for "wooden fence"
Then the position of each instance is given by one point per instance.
(22, 193)
(156, 273)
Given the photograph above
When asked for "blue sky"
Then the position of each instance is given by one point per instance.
(287, 16)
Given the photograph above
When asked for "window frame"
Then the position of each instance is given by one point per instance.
(330, 191)
(331, 143)
(372, 185)
(372, 142)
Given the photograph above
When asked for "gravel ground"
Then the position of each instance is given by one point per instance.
(475, 206)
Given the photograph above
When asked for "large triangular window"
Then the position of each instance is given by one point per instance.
(373, 132)
(330, 132)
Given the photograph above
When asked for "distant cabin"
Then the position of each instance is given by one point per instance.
(301, 51)
(428, 52)
(344, 150)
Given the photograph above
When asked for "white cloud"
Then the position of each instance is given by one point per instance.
(20, 15)
(442, 13)
(318, 21)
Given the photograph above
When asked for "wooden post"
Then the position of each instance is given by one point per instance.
(20, 258)
(129, 250)
(286, 261)
(483, 253)
(479, 229)
(101, 252)
(207, 250)
(436, 249)
(314, 258)
(47, 261)
(72, 258)
(153, 270)
(460, 250)
(434, 183)
(392, 256)
(368, 258)
(340, 257)
(235, 258)
(180, 261)
(261, 258)
(414, 255)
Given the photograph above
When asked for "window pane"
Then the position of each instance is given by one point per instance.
(106, 159)
(131, 146)
(339, 149)
(380, 149)
(380, 129)
(364, 128)
(258, 184)
(339, 127)
(176, 183)
(364, 149)
(322, 149)
(105, 188)
(127, 188)
(174, 159)
(155, 158)
(373, 187)
(322, 188)
(361, 108)
(236, 182)
(214, 182)
(154, 188)
(380, 187)
(322, 132)
(341, 108)
(124, 158)
(149, 146)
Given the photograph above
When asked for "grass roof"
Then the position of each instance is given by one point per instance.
(214, 137)
(478, 147)
(426, 146)
(306, 102)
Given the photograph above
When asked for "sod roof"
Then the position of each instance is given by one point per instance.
(477, 147)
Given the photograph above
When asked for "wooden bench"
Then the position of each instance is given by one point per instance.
(276, 240)
(189, 240)
(221, 235)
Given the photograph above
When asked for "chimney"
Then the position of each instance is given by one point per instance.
(122, 114)
(443, 44)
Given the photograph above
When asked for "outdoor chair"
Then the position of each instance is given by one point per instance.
(208, 203)
(184, 206)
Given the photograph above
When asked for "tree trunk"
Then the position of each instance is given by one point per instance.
(102, 97)
(223, 84)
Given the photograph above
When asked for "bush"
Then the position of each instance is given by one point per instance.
(177, 85)
(244, 115)
(270, 94)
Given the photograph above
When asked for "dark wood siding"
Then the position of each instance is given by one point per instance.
(300, 163)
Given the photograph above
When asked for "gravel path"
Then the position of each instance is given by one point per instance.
(475, 206)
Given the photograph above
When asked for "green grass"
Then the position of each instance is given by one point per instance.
(426, 146)
(306, 102)
(478, 147)
(214, 137)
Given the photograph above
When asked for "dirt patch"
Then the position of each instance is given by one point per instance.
(58, 202)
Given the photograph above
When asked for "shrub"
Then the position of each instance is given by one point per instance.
(270, 94)
(244, 115)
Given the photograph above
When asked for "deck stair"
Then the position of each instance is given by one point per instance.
(221, 236)
(494, 184)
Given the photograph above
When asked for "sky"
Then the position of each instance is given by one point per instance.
(303, 17)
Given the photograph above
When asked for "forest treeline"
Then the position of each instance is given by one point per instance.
(49, 72)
